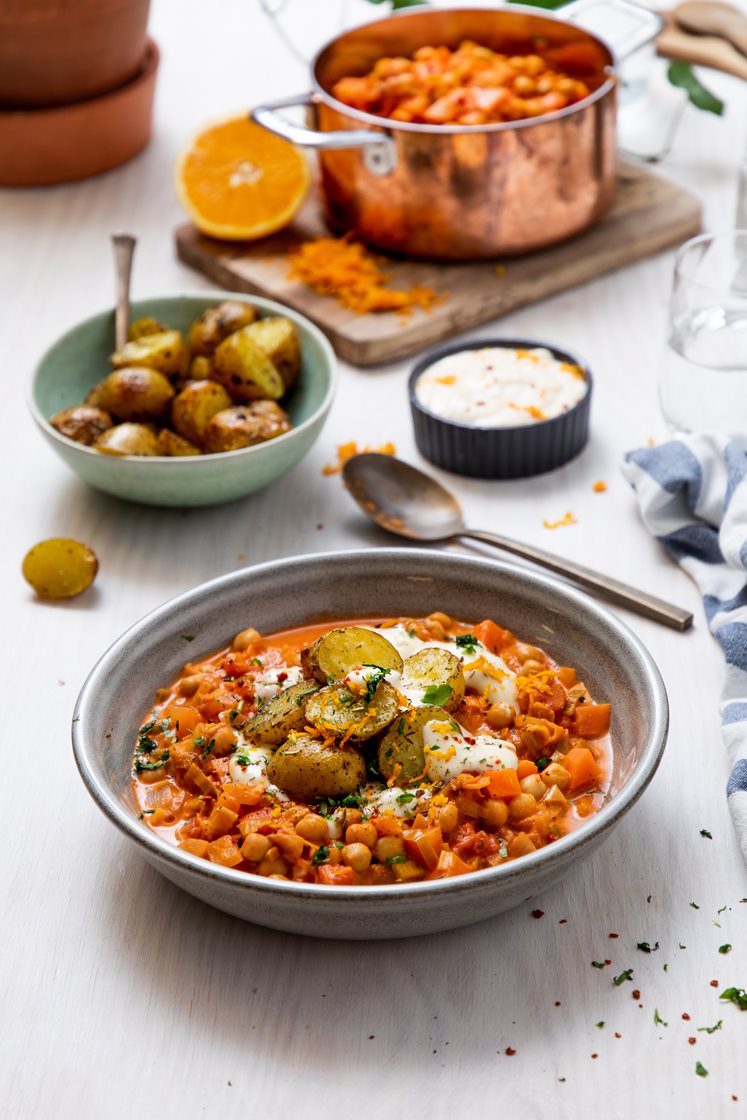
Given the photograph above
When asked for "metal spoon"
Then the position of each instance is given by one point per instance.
(124, 250)
(403, 500)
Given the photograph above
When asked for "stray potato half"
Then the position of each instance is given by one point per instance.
(277, 337)
(216, 323)
(169, 443)
(306, 769)
(60, 568)
(401, 754)
(128, 439)
(245, 370)
(194, 408)
(83, 423)
(164, 351)
(333, 655)
(244, 425)
(135, 393)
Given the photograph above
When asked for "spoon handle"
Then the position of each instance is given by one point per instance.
(607, 588)
(124, 249)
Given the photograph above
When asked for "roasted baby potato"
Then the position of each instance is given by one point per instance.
(128, 439)
(135, 393)
(401, 755)
(282, 714)
(245, 370)
(141, 327)
(277, 337)
(83, 422)
(245, 425)
(194, 408)
(216, 323)
(434, 668)
(343, 712)
(338, 651)
(164, 351)
(306, 769)
(60, 568)
(200, 369)
(169, 443)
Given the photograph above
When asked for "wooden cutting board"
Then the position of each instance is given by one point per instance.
(648, 215)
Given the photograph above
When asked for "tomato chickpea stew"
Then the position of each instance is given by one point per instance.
(372, 752)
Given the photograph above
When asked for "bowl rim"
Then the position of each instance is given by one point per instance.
(499, 343)
(163, 851)
(191, 462)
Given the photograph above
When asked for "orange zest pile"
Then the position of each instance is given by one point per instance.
(346, 451)
(568, 519)
(344, 269)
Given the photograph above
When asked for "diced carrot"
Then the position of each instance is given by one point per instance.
(224, 851)
(201, 780)
(567, 676)
(407, 871)
(471, 713)
(492, 636)
(504, 783)
(449, 863)
(525, 768)
(228, 801)
(582, 768)
(336, 874)
(196, 847)
(258, 821)
(220, 821)
(423, 845)
(183, 717)
(242, 793)
(592, 720)
(387, 826)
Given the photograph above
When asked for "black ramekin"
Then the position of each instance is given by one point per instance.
(533, 448)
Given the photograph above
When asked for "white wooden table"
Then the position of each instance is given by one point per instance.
(118, 993)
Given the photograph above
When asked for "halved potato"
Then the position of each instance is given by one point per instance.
(306, 769)
(244, 425)
(127, 439)
(135, 393)
(338, 651)
(83, 423)
(245, 370)
(200, 369)
(342, 712)
(216, 323)
(169, 443)
(142, 327)
(277, 337)
(401, 755)
(194, 408)
(60, 568)
(282, 714)
(434, 669)
(164, 351)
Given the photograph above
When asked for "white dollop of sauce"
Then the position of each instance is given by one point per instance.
(484, 671)
(399, 802)
(500, 387)
(267, 685)
(255, 770)
(448, 753)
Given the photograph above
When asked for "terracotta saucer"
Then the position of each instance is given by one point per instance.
(40, 147)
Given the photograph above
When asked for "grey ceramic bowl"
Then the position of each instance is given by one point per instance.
(571, 627)
(79, 359)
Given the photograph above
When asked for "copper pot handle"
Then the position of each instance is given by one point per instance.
(379, 153)
(643, 25)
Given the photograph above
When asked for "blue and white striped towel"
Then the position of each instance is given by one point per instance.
(692, 494)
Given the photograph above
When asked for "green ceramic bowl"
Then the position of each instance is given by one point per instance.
(80, 359)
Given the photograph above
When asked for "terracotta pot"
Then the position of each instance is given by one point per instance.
(54, 52)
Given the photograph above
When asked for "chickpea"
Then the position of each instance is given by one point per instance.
(525, 652)
(521, 806)
(500, 716)
(357, 856)
(273, 867)
(188, 686)
(447, 817)
(524, 85)
(443, 619)
(255, 847)
(289, 844)
(285, 877)
(532, 666)
(435, 629)
(335, 855)
(533, 785)
(224, 740)
(556, 775)
(495, 813)
(313, 828)
(244, 639)
(363, 833)
(389, 846)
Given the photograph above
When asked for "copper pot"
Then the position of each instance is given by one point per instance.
(463, 192)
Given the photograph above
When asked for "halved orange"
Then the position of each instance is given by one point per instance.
(239, 182)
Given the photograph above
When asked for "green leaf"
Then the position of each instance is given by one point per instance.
(658, 1019)
(321, 855)
(706, 833)
(737, 996)
(437, 694)
(710, 1030)
(626, 975)
(549, 5)
(701, 1070)
(724, 948)
(681, 74)
(157, 765)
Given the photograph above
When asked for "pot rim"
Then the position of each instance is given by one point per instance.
(388, 125)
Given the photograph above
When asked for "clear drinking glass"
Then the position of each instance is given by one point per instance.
(703, 385)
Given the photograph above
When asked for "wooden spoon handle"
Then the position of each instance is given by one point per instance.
(124, 248)
(703, 50)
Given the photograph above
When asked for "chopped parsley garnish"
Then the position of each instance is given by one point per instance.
(542, 763)
(721, 910)
(681, 946)
(243, 758)
(159, 762)
(326, 806)
(627, 974)
(597, 964)
(397, 859)
(236, 712)
(706, 833)
(600, 1024)
(401, 726)
(207, 748)
(658, 1019)
(412, 634)
(403, 798)
(437, 694)
(188, 637)
(737, 996)
(695, 906)
(321, 855)
(710, 1030)
(724, 948)
(256, 661)
(646, 948)
(701, 1070)
(467, 642)
(374, 681)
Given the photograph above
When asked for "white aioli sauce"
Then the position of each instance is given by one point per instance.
(499, 387)
(448, 753)
(267, 685)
